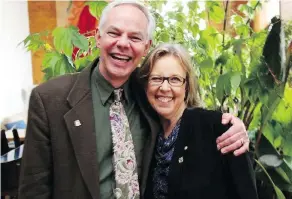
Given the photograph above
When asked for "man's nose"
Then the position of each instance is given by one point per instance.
(123, 42)
(165, 86)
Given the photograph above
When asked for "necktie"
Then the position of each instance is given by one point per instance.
(126, 176)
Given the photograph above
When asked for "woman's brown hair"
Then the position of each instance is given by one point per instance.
(178, 51)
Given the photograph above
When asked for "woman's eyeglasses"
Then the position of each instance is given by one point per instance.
(174, 80)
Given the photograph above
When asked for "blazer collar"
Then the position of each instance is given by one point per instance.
(80, 124)
(82, 85)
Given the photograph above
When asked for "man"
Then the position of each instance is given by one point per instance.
(68, 148)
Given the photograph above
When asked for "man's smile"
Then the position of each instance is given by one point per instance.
(120, 57)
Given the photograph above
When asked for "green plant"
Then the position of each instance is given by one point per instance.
(239, 70)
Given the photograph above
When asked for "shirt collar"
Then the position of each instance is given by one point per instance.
(105, 89)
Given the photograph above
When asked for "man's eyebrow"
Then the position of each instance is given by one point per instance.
(113, 28)
(138, 33)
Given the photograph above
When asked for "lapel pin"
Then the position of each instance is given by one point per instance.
(77, 123)
(186, 148)
(181, 159)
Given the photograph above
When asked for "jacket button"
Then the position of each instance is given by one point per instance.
(181, 159)
(186, 148)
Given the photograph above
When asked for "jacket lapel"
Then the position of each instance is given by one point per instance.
(80, 124)
(186, 137)
(154, 124)
(148, 150)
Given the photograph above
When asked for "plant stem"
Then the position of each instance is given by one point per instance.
(250, 116)
(259, 137)
(241, 102)
(224, 29)
(246, 112)
(265, 171)
(222, 103)
(225, 22)
(255, 7)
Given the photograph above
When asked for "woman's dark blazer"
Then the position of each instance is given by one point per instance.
(198, 170)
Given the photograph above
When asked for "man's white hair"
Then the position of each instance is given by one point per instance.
(151, 21)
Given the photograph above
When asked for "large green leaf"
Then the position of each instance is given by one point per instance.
(164, 36)
(243, 30)
(216, 11)
(278, 192)
(237, 19)
(283, 112)
(233, 63)
(223, 87)
(96, 7)
(81, 63)
(207, 63)
(222, 59)
(62, 40)
(284, 170)
(209, 40)
(56, 64)
(259, 84)
(273, 99)
(193, 5)
(235, 79)
(49, 62)
(284, 175)
(79, 40)
(226, 84)
(48, 74)
(194, 28)
(63, 66)
(247, 10)
(157, 4)
(35, 41)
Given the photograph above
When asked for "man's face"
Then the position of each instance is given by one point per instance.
(123, 42)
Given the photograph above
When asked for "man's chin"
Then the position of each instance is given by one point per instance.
(119, 74)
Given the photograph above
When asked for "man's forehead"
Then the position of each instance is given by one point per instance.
(119, 11)
(120, 18)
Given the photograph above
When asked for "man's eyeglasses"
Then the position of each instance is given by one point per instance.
(174, 80)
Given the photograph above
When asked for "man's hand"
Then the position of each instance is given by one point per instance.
(235, 138)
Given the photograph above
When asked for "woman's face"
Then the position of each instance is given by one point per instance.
(166, 99)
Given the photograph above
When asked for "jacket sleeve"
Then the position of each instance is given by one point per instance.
(240, 172)
(36, 165)
(242, 175)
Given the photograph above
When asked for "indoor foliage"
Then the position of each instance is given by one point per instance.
(239, 71)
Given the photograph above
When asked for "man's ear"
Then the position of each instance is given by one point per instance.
(97, 38)
(148, 45)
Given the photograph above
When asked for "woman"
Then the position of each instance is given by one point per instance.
(168, 79)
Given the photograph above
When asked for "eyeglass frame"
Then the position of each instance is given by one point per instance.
(166, 78)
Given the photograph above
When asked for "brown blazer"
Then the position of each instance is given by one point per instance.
(59, 158)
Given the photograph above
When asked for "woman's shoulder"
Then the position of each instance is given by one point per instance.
(206, 119)
(203, 114)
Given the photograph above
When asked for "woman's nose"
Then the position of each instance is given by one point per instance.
(165, 85)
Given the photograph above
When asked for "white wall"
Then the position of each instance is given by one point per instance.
(15, 62)
(286, 9)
